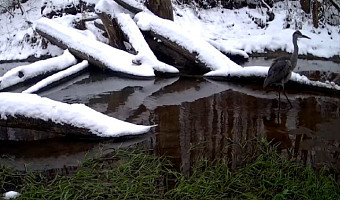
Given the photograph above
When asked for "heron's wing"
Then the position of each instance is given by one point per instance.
(278, 71)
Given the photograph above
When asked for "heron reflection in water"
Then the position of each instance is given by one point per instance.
(281, 69)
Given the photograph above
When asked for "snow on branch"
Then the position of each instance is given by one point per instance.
(43, 67)
(35, 112)
(67, 73)
(97, 53)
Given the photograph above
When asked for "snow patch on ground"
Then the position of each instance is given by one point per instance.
(234, 29)
(18, 40)
(11, 195)
(77, 115)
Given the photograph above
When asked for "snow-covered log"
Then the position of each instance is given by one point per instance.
(116, 22)
(31, 111)
(37, 69)
(230, 52)
(97, 53)
(59, 77)
(198, 51)
(114, 33)
(256, 74)
(136, 39)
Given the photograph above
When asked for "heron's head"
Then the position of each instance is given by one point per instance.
(298, 34)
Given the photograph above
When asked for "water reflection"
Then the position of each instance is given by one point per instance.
(196, 118)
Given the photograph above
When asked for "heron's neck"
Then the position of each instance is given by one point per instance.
(294, 57)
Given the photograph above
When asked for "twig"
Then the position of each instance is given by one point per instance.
(269, 8)
(335, 4)
(7, 10)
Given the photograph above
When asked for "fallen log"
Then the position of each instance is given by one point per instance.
(97, 53)
(37, 70)
(115, 35)
(125, 28)
(194, 48)
(136, 39)
(58, 78)
(257, 74)
(34, 112)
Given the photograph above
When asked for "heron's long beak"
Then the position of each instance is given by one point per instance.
(305, 36)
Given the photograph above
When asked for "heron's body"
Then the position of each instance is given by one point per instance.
(279, 72)
(281, 69)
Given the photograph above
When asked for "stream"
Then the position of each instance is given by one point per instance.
(196, 118)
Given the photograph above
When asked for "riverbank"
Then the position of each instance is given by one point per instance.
(137, 174)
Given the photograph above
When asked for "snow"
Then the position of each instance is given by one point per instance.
(135, 37)
(18, 40)
(206, 53)
(77, 115)
(109, 7)
(58, 76)
(145, 54)
(115, 59)
(202, 31)
(261, 71)
(13, 76)
(228, 50)
(11, 195)
(234, 29)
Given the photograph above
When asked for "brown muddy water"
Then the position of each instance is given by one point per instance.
(196, 118)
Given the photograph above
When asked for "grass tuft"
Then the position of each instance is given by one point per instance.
(270, 176)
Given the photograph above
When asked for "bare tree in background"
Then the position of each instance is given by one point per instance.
(161, 8)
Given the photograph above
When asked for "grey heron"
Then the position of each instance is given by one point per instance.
(281, 69)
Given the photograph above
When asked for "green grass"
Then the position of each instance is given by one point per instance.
(268, 177)
(138, 175)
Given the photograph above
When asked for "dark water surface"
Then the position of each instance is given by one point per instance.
(196, 118)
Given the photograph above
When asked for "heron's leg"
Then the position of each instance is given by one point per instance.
(291, 106)
(279, 101)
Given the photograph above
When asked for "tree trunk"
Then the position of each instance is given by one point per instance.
(113, 30)
(305, 5)
(315, 14)
(161, 8)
